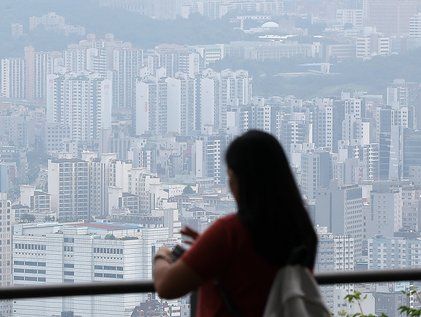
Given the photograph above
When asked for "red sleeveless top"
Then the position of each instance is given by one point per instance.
(225, 252)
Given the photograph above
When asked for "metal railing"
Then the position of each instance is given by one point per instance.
(127, 287)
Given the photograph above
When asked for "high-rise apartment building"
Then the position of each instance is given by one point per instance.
(335, 253)
(183, 105)
(75, 59)
(13, 78)
(82, 102)
(415, 26)
(323, 123)
(393, 253)
(139, 183)
(346, 17)
(372, 45)
(214, 147)
(176, 58)
(127, 63)
(151, 105)
(101, 177)
(68, 185)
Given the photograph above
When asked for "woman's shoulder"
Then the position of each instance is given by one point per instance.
(229, 220)
(231, 224)
(227, 224)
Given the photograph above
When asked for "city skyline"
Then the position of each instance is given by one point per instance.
(109, 145)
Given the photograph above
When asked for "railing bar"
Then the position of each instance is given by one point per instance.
(368, 276)
(130, 287)
(85, 289)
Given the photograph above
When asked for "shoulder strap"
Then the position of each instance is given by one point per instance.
(229, 304)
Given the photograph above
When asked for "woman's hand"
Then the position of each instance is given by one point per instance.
(164, 253)
(190, 233)
(173, 279)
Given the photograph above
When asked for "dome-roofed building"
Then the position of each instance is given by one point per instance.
(270, 25)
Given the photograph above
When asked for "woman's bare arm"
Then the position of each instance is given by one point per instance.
(173, 280)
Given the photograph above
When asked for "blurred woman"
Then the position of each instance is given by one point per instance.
(234, 262)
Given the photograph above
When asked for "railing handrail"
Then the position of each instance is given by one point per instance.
(127, 287)
(79, 289)
(371, 276)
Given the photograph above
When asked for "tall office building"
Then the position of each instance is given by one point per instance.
(390, 141)
(411, 151)
(386, 212)
(411, 208)
(82, 102)
(340, 209)
(316, 172)
(13, 78)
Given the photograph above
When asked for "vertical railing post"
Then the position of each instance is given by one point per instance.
(193, 303)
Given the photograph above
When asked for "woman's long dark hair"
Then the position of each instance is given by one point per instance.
(269, 201)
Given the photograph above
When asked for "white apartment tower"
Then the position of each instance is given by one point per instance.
(38, 65)
(415, 27)
(101, 177)
(127, 63)
(75, 59)
(82, 102)
(323, 123)
(13, 78)
(68, 185)
(166, 104)
(151, 105)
